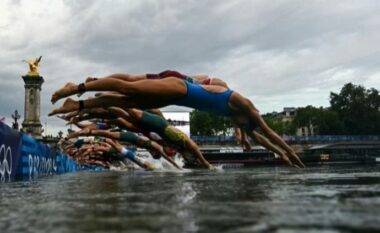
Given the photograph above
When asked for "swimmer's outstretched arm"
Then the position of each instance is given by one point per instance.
(97, 163)
(161, 151)
(268, 145)
(122, 150)
(192, 147)
(241, 138)
(274, 137)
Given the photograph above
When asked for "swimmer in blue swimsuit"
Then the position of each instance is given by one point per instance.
(198, 97)
(194, 79)
(148, 93)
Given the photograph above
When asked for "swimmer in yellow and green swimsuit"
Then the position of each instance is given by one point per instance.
(170, 134)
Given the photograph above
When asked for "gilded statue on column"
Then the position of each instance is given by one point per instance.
(33, 66)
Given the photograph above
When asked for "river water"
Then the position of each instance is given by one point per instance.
(264, 199)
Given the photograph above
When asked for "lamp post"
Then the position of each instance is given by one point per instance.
(15, 117)
(60, 133)
(45, 129)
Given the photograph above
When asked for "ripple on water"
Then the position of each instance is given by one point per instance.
(265, 199)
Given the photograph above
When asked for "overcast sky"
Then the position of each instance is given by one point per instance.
(277, 53)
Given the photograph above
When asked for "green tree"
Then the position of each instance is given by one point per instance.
(203, 123)
(307, 117)
(323, 120)
(328, 122)
(279, 126)
(358, 108)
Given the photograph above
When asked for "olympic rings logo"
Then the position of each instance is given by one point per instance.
(5, 163)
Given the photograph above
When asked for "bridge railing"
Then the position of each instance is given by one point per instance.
(332, 138)
(214, 139)
(293, 139)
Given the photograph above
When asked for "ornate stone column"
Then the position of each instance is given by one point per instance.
(32, 106)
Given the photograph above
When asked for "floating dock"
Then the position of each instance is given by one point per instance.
(337, 153)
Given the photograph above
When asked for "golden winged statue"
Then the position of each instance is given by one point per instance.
(33, 66)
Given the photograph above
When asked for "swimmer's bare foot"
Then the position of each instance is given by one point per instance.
(69, 105)
(67, 90)
(89, 79)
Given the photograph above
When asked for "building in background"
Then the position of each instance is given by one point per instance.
(287, 115)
